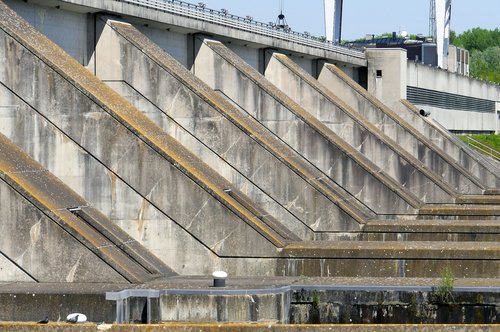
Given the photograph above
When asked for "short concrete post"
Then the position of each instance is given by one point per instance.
(219, 278)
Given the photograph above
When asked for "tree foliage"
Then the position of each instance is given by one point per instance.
(484, 47)
(478, 39)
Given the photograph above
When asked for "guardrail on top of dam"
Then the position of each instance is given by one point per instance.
(223, 18)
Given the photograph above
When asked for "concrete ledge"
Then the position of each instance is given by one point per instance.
(263, 327)
(478, 199)
(492, 211)
(440, 226)
(396, 250)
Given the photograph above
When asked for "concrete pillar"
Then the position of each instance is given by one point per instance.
(497, 117)
(387, 74)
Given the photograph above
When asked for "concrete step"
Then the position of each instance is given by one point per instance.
(477, 211)
(71, 212)
(391, 259)
(431, 230)
(490, 199)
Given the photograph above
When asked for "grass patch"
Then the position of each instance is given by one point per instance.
(444, 291)
(492, 141)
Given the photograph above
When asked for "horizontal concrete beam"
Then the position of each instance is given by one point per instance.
(189, 24)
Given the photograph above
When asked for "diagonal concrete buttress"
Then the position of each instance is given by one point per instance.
(53, 235)
(224, 70)
(110, 129)
(354, 126)
(421, 136)
(221, 134)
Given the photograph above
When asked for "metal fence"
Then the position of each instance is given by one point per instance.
(223, 18)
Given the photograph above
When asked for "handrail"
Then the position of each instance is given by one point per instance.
(200, 12)
(483, 148)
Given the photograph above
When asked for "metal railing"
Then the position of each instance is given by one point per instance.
(223, 18)
(483, 148)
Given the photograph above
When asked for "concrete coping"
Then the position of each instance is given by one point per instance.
(128, 293)
(290, 288)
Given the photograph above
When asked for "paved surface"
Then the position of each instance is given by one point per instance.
(205, 283)
(12, 327)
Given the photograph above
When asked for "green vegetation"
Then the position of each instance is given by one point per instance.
(492, 141)
(484, 48)
(445, 288)
(316, 300)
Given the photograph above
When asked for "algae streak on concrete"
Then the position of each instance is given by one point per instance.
(91, 115)
(392, 150)
(223, 70)
(419, 135)
(239, 147)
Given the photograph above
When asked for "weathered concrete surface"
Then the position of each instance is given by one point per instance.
(244, 152)
(223, 70)
(225, 308)
(113, 131)
(400, 307)
(410, 130)
(209, 25)
(431, 230)
(262, 327)
(52, 244)
(469, 158)
(134, 213)
(388, 152)
(393, 259)
(270, 300)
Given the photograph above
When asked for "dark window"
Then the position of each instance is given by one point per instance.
(379, 73)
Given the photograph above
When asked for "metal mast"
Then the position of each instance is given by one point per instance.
(432, 20)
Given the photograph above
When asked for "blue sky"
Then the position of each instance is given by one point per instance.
(363, 17)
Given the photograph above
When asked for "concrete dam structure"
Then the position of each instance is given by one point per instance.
(135, 160)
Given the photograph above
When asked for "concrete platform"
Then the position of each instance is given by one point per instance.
(254, 298)
(261, 327)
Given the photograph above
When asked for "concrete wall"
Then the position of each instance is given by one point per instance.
(411, 131)
(28, 236)
(104, 189)
(390, 64)
(426, 77)
(236, 146)
(206, 308)
(175, 43)
(427, 183)
(223, 70)
(88, 123)
(72, 31)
